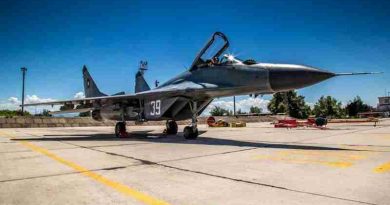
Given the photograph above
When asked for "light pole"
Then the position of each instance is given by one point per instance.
(234, 105)
(24, 70)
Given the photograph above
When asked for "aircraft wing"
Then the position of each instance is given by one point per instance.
(155, 93)
(82, 100)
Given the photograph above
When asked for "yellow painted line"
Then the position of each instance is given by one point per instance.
(339, 164)
(338, 154)
(97, 177)
(383, 168)
(329, 158)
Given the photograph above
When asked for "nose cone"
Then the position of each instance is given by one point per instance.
(290, 77)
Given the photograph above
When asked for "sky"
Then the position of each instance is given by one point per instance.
(54, 39)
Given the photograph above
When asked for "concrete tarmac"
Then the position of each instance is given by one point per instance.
(259, 164)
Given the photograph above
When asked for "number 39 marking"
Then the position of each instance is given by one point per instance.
(156, 107)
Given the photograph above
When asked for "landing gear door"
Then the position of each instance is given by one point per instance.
(154, 109)
(214, 48)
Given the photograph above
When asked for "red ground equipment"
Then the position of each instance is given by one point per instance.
(319, 123)
(210, 121)
(213, 123)
(286, 123)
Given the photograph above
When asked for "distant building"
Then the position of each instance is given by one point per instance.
(382, 109)
(384, 104)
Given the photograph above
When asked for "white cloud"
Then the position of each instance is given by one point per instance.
(243, 104)
(14, 100)
(8, 106)
(79, 95)
(13, 103)
(35, 99)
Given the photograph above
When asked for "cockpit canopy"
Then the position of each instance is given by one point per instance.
(210, 54)
(213, 49)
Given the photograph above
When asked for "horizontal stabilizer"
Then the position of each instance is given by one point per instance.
(359, 73)
(70, 111)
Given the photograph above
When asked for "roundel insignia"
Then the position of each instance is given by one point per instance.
(88, 83)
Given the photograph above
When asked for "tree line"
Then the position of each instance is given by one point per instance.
(219, 111)
(12, 113)
(294, 105)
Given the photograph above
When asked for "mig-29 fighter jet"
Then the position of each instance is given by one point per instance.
(212, 74)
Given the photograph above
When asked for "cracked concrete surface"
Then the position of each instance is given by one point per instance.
(347, 164)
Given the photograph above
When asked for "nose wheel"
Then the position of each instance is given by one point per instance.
(190, 133)
(120, 129)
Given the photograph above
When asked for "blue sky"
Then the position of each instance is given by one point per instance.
(54, 39)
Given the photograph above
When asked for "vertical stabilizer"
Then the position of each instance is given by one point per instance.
(90, 88)
(140, 83)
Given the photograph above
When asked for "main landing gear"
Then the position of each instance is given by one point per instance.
(191, 132)
(171, 127)
(120, 129)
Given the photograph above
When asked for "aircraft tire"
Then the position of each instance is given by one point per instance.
(172, 127)
(120, 128)
(189, 133)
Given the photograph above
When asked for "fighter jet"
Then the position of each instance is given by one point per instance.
(213, 74)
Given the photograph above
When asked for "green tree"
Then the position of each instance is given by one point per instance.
(291, 103)
(328, 107)
(277, 104)
(218, 111)
(355, 106)
(255, 110)
(12, 113)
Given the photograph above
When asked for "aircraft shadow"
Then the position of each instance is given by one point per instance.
(178, 139)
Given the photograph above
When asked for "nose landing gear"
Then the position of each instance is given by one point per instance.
(191, 132)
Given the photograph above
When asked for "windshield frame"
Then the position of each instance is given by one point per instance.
(230, 60)
(199, 61)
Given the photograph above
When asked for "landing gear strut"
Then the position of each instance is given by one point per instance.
(171, 127)
(120, 129)
(191, 132)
